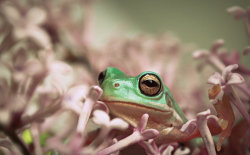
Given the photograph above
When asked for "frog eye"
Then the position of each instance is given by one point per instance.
(150, 84)
(101, 77)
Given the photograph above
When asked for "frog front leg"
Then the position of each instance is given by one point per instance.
(188, 131)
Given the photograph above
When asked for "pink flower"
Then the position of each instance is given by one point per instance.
(139, 134)
(227, 77)
(239, 12)
(211, 56)
(152, 149)
(226, 80)
(28, 26)
(246, 50)
(74, 97)
(60, 74)
(102, 119)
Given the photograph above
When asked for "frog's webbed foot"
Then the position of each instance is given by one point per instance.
(171, 134)
(188, 131)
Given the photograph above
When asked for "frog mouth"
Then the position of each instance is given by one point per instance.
(137, 105)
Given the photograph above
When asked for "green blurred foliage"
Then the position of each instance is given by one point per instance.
(27, 137)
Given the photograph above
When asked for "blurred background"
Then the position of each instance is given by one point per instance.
(196, 22)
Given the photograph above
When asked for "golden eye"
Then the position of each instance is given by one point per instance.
(150, 84)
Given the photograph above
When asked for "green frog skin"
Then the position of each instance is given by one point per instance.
(129, 97)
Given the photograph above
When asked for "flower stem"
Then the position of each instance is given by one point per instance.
(237, 102)
(92, 97)
(205, 132)
(131, 139)
(84, 116)
(216, 63)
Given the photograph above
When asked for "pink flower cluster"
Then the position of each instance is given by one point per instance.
(49, 101)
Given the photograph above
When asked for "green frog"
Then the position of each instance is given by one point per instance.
(129, 97)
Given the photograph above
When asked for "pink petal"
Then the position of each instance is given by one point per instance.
(76, 93)
(182, 151)
(164, 148)
(39, 35)
(235, 78)
(149, 146)
(73, 98)
(59, 67)
(215, 79)
(118, 123)
(200, 54)
(228, 70)
(12, 14)
(168, 150)
(216, 45)
(36, 16)
(246, 50)
(101, 106)
(237, 12)
(143, 122)
(34, 67)
(101, 118)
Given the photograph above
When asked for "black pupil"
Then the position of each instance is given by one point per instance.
(150, 83)
(101, 77)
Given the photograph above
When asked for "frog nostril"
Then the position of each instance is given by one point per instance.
(116, 85)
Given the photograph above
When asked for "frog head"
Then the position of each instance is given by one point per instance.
(129, 97)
